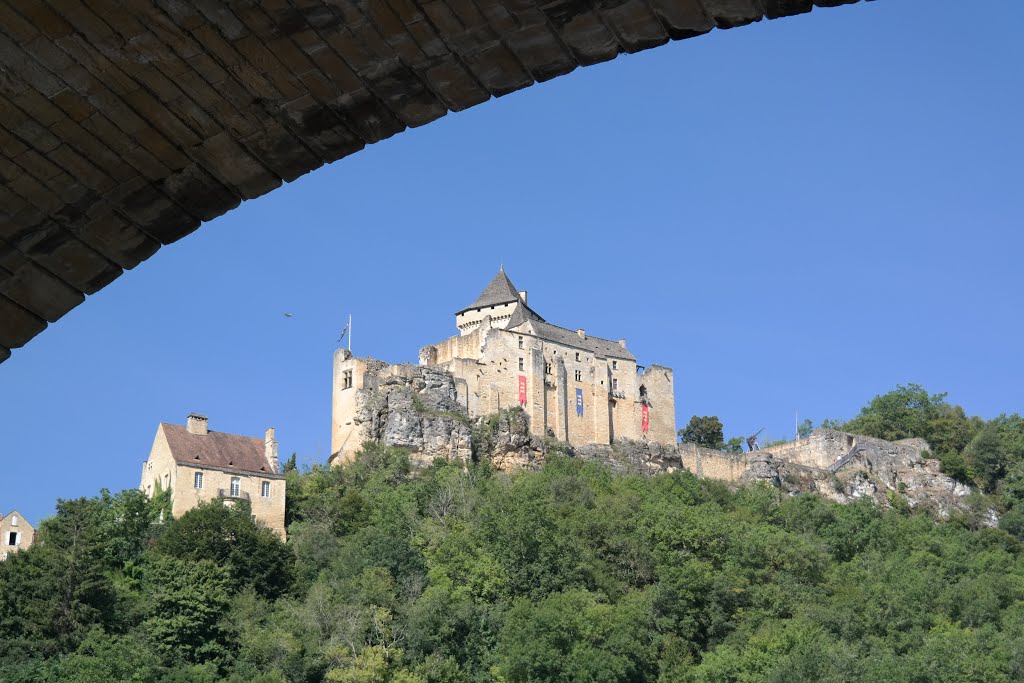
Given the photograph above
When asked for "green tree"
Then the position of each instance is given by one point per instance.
(734, 445)
(987, 457)
(187, 602)
(253, 555)
(105, 658)
(52, 594)
(704, 431)
(910, 411)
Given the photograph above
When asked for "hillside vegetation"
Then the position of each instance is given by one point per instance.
(571, 573)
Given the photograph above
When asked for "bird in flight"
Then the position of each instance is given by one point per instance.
(289, 315)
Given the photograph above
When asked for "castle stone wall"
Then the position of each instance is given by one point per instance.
(823, 448)
(711, 464)
(490, 362)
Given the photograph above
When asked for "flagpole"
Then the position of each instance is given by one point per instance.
(350, 332)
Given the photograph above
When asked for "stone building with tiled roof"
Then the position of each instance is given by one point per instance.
(15, 534)
(579, 388)
(199, 465)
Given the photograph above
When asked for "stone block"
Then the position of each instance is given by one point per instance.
(583, 31)
(57, 250)
(37, 290)
(224, 157)
(17, 325)
(733, 13)
(498, 69)
(774, 9)
(202, 195)
(155, 214)
(635, 25)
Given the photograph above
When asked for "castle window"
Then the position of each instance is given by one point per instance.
(643, 393)
(547, 368)
(265, 489)
(236, 487)
(579, 375)
(520, 363)
(615, 365)
(346, 379)
(615, 384)
(577, 355)
(199, 480)
(520, 341)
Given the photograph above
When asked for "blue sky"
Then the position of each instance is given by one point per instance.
(795, 216)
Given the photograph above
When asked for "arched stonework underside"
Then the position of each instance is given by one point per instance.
(124, 125)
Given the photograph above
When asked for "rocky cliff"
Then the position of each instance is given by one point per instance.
(417, 409)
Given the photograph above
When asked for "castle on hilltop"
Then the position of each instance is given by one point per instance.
(575, 387)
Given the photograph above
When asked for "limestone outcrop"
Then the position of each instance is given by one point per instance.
(882, 474)
(417, 408)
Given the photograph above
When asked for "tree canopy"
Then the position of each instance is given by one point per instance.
(571, 573)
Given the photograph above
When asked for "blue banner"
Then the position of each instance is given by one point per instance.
(579, 402)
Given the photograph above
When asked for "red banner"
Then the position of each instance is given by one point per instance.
(522, 390)
(645, 418)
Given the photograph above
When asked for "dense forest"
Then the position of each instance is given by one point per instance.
(570, 573)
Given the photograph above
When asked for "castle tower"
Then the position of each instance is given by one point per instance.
(498, 301)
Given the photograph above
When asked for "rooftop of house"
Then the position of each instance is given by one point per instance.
(21, 518)
(217, 449)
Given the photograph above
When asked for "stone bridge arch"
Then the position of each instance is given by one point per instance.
(125, 125)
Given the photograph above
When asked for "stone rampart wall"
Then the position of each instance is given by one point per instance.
(712, 464)
(825, 447)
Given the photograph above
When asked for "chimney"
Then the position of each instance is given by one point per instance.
(522, 295)
(198, 424)
(582, 333)
(270, 449)
(622, 343)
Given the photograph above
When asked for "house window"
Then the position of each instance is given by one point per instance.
(520, 342)
(615, 365)
(547, 368)
(520, 363)
(199, 480)
(346, 379)
(236, 487)
(577, 355)
(12, 538)
(579, 375)
(265, 489)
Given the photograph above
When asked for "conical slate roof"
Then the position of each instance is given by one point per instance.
(500, 291)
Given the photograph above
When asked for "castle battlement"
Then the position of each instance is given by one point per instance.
(576, 387)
